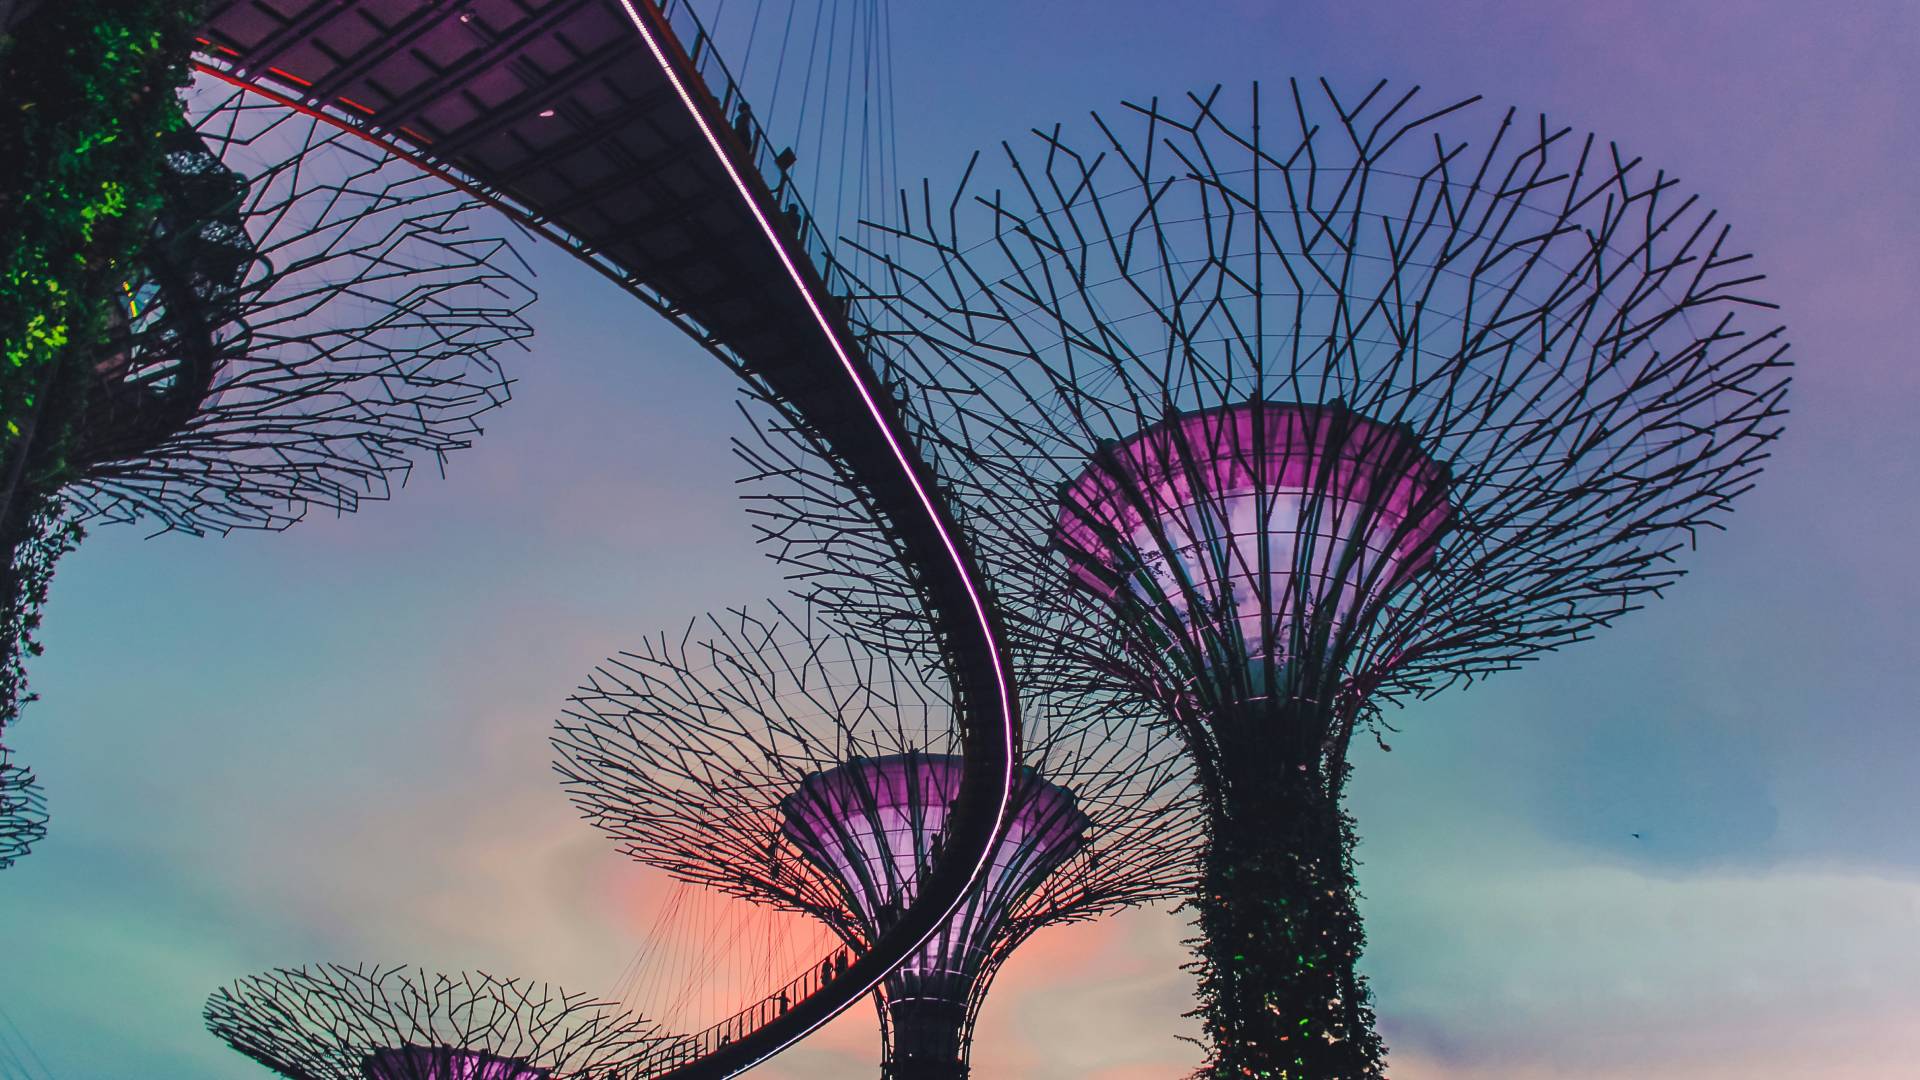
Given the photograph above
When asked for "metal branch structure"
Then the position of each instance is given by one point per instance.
(334, 1022)
(1270, 415)
(23, 810)
(311, 319)
(781, 762)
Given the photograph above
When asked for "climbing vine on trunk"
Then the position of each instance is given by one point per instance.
(88, 92)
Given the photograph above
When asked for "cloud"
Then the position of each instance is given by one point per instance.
(1097, 999)
(1599, 970)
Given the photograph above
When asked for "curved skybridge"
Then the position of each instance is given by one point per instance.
(612, 128)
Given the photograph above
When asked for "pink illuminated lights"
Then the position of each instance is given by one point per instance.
(446, 1063)
(874, 823)
(1236, 523)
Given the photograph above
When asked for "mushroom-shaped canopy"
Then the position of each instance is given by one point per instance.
(874, 823)
(334, 1022)
(1243, 525)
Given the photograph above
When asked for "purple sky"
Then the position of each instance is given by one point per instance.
(330, 744)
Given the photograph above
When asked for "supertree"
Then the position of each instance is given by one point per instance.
(307, 319)
(780, 762)
(333, 1022)
(88, 91)
(311, 318)
(1272, 418)
(23, 810)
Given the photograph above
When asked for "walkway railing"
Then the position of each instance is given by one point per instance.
(689, 1048)
(767, 161)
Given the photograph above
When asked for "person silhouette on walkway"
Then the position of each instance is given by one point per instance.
(743, 125)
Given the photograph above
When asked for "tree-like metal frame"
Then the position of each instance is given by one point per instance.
(685, 750)
(23, 810)
(363, 333)
(328, 1021)
(1555, 326)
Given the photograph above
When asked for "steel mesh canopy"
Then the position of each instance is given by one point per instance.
(333, 1022)
(1253, 535)
(1266, 416)
(23, 810)
(761, 760)
(873, 824)
(349, 312)
(1553, 322)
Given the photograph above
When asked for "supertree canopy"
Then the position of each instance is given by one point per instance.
(310, 319)
(783, 763)
(1270, 416)
(1287, 523)
(333, 1022)
(307, 318)
(871, 825)
(23, 810)
(159, 363)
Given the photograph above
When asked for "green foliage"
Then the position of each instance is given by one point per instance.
(49, 534)
(90, 91)
(1280, 994)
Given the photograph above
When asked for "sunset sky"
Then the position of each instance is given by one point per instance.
(330, 744)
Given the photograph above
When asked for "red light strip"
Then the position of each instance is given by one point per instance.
(900, 456)
(433, 168)
(289, 76)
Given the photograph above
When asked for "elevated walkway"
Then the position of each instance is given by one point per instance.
(612, 128)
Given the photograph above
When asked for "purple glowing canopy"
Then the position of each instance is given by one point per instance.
(871, 825)
(1262, 512)
(446, 1063)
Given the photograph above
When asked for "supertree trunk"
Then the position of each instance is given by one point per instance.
(1280, 935)
(929, 1037)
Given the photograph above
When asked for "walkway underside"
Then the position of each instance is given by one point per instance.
(562, 113)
